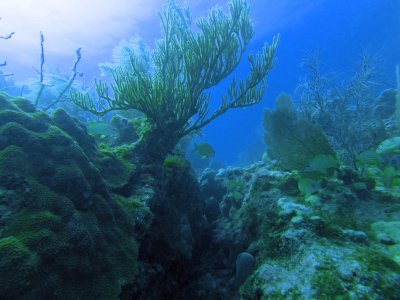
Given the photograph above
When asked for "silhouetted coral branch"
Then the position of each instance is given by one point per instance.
(75, 73)
(173, 93)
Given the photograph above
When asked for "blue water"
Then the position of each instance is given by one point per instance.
(74, 213)
(341, 30)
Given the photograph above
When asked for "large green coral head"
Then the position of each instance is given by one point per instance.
(185, 64)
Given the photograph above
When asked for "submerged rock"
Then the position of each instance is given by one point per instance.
(326, 272)
(63, 234)
(356, 236)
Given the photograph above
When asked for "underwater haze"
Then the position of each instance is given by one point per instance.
(217, 149)
(340, 30)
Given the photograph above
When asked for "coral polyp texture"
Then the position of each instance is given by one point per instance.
(135, 187)
(63, 235)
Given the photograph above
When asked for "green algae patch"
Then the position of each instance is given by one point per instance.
(388, 233)
(382, 229)
(174, 162)
(14, 158)
(326, 272)
(395, 251)
(30, 122)
(329, 285)
(31, 221)
(18, 266)
(131, 205)
(6, 102)
(62, 233)
(24, 104)
(116, 170)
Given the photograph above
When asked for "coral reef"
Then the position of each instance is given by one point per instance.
(170, 87)
(79, 221)
(346, 110)
(321, 246)
(292, 140)
(112, 209)
(63, 234)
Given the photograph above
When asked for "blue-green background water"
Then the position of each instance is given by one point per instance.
(341, 30)
(110, 208)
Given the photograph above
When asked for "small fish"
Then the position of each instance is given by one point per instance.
(308, 186)
(391, 145)
(390, 176)
(369, 157)
(100, 129)
(237, 195)
(232, 184)
(321, 163)
(204, 150)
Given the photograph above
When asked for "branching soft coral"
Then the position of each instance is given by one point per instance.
(173, 93)
(345, 110)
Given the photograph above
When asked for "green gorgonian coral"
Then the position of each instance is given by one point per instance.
(173, 92)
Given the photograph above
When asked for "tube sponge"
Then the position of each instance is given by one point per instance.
(245, 263)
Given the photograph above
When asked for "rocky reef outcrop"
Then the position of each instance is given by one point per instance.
(63, 234)
(322, 245)
(83, 221)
